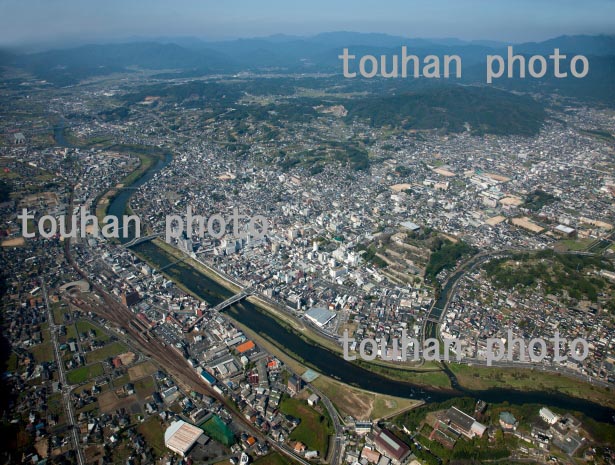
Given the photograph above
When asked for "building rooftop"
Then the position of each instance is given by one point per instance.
(508, 418)
(320, 316)
(460, 419)
(390, 445)
(245, 347)
(181, 436)
(410, 225)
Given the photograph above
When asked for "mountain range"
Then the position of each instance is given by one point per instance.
(283, 54)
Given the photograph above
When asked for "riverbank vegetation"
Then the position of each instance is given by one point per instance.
(148, 157)
(445, 255)
(477, 378)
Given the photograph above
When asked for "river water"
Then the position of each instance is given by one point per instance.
(323, 360)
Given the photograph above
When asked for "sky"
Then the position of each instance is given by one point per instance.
(24, 22)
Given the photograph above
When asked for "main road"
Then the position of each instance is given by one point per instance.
(339, 429)
(170, 360)
(66, 389)
(438, 308)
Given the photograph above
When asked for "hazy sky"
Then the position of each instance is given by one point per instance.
(54, 21)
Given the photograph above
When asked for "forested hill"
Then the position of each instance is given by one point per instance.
(455, 109)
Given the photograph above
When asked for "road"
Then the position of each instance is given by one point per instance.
(170, 360)
(66, 389)
(336, 454)
(469, 265)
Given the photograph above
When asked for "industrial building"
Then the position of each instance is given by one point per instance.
(319, 316)
(463, 423)
(389, 445)
(565, 231)
(548, 416)
(180, 437)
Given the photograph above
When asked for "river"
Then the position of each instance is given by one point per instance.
(323, 360)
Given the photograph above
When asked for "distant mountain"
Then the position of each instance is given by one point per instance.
(597, 87)
(146, 55)
(191, 57)
(320, 53)
(69, 66)
(601, 45)
(6, 58)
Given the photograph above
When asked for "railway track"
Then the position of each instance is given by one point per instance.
(169, 360)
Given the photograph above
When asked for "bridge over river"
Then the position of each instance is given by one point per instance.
(221, 306)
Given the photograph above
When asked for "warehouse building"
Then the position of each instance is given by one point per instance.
(180, 437)
(464, 423)
(390, 446)
(565, 231)
(319, 316)
(548, 416)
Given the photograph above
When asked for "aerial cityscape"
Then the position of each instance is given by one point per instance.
(220, 247)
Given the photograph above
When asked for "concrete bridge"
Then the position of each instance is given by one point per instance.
(139, 240)
(221, 306)
(236, 298)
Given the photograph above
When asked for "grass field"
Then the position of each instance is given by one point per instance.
(435, 377)
(84, 326)
(81, 374)
(54, 403)
(142, 369)
(58, 313)
(71, 332)
(145, 387)
(314, 429)
(121, 380)
(42, 352)
(362, 405)
(12, 363)
(109, 402)
(572, 244)
(105, 352)
(481, 378)
(152, 430)
(218, 430)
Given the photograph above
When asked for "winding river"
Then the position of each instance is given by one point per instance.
(323, 360)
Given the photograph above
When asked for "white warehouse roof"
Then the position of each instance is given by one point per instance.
(320, 316)
(181, 436)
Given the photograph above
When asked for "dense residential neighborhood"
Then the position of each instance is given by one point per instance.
(184, 253)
